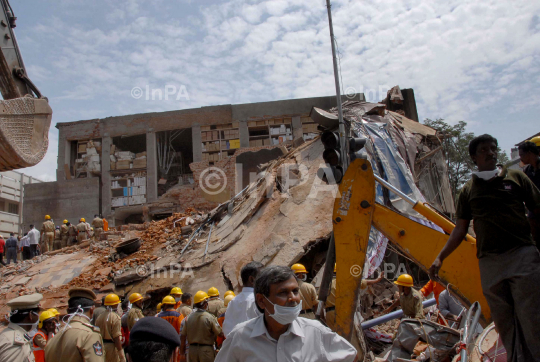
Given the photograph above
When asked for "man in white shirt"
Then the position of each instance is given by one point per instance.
(242, 307)
(278, 334)
(33, 237)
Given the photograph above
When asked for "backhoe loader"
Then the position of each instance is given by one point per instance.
(25, 115)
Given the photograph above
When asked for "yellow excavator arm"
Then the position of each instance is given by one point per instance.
(355, 211)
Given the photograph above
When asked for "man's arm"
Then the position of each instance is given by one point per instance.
(182, 347)
(392, 307)
(455, 239)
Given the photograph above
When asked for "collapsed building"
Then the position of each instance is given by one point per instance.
(261, 217)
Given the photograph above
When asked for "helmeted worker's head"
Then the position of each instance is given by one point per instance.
(213, 293)
(300, 271)
(529, 152)
(136, 299)
(187, 299)
(82, 219)
(176, 293)
(168, 303)
(65, 221)
(153, 340)
(483, 151)
(81, 300)
(47, 217)
(229, 292)
(277, 294)
(47, 321)
(404, 283)
(200, 300)
(249, 273)
(228, 299)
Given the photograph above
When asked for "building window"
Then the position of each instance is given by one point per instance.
(13, 209)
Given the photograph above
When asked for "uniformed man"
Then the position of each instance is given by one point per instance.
(409, 299)
(308, 294)
(200, 331)
(153, 339)
(15, 341)
(185, 309)
(64, 233)
(214, 303)
(221, 318)
(99, 311)
(77, 341)
(170, 314)
(176, 293)
(110, 327)
(82, 230)
(72, 234)
(97, 224)
(135, 313)
(47, 235)
(57, 244)
(47, 329)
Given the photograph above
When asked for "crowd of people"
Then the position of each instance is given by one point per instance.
(49, 238)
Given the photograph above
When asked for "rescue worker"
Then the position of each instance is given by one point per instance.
(432, 287)
(47, 328)
(229, 292)
(200, 331)
(82, 230)
(110, 327)
(409, 298)
(57, 244)
(78, 341)
(308, 294)
(98, 311)
(135, 313)
(64, 233)
(97, 224)
(72, 234)
(176, 293)
(169, 313)
(214, 303)
(47, 235)
(158, 309)
(495, 199)
(56, 318)
(15, 342)
(185, 309)
(221, 319)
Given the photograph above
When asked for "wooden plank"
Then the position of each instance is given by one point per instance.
(67, 172)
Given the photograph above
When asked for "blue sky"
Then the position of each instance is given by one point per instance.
(466, 60)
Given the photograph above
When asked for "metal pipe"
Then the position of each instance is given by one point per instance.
(470, 326)
(342, 136)
(394, 190)
(196, 232)
(394, 315)
(208, 242)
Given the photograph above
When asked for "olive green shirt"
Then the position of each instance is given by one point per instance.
(412, 304)
(214, 305)
(497, 208)
(201, 327)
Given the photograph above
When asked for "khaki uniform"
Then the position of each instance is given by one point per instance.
(309, 298)
(48, 236)
(64, 235)
(185, 310)
(72, 235)
(110, 327)
(79, 342)
(222, 311)
(82, 232)
(134, 315)
(97, 224)
(214, 305)
(15, 345)
(412, 304)
(57, 240)
(201, 330)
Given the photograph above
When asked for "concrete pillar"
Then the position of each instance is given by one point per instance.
(197, 142)
(297, 127)
(244, 134)
(64, 152)
(21, 196)
(106, 193)
(151, 167)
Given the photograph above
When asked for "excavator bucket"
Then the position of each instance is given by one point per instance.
(24, 130)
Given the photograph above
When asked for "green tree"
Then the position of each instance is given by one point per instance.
(455, 143)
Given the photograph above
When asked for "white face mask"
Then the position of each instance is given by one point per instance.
(285, 315)
(303, 278)
(178, 299)
(487, 175)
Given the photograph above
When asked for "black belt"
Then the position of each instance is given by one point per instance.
(108, 341)
(200, 345)
(306, 311)
(329, 309)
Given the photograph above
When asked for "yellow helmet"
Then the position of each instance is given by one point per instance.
(335, 265)
(405, 280)
(112, 299)
(65, 221)
(54, 311)
(47, 217)
(135, 297)
(200, 296)
(535, 140)
(45, 316)
(298, 268)
(229, 292)
(158, 307)
(82, 219)
(168, 300)
(213, 292)
(176, 290)
(228, 299)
